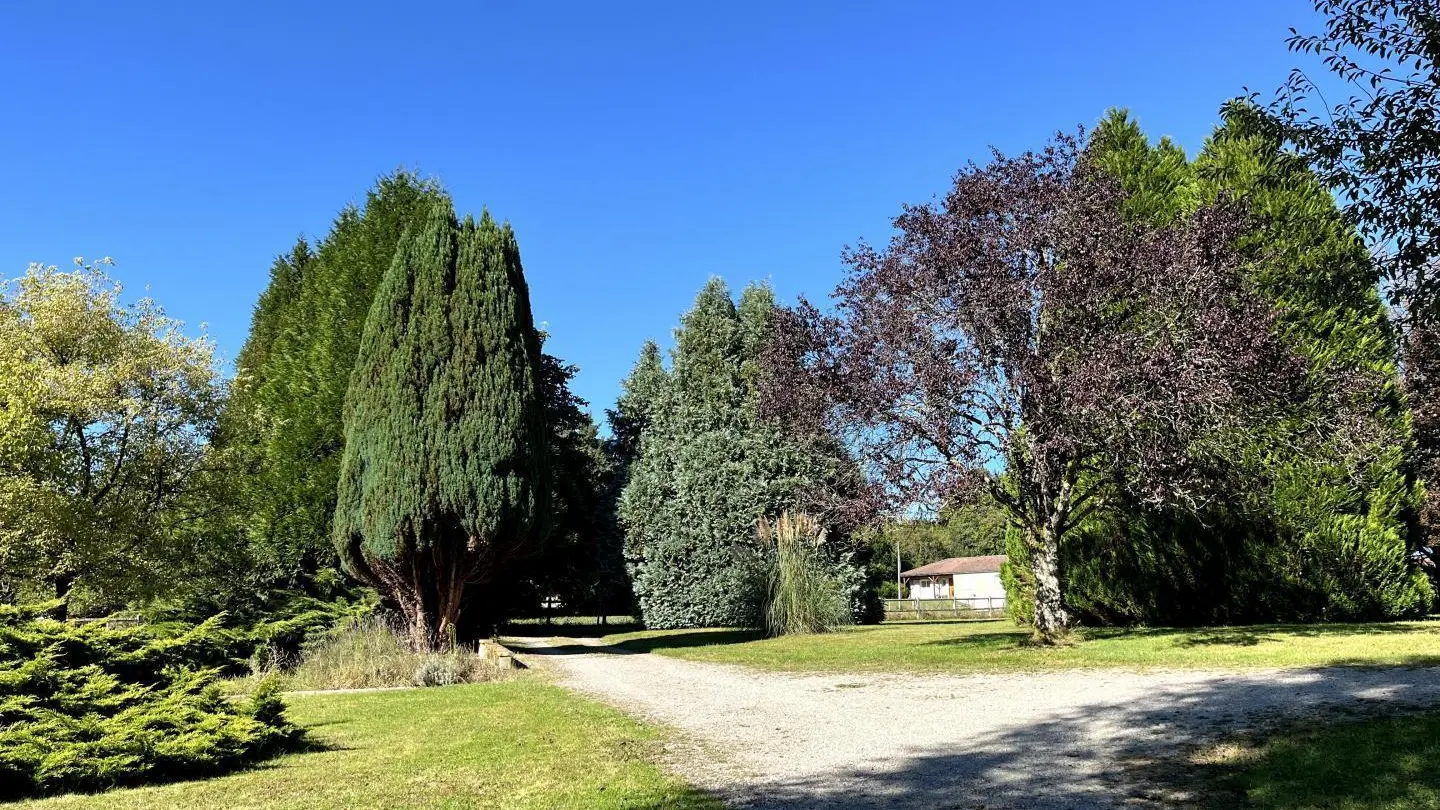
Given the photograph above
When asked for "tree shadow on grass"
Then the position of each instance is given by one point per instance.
(1299, 630)
(1225, 637)
(1016, 639)
(591, 646)
(1114, 753)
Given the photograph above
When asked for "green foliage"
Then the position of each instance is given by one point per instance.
(105, 411)
(443, 474)
(582, 562)
(282, 437)
(804, 595)
(521, 744)
(283, 431)
(640, 391)
(84, 707)
(707, 468)
(1325, 537)
(1018, 578)
(973, 528)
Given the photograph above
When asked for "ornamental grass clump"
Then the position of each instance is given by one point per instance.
(371, 652)
(803, 596)
(84, 707)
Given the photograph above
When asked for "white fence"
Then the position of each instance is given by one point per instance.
(964, 607)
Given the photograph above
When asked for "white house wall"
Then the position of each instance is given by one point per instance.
(978, 585)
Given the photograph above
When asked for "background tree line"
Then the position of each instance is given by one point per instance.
(1257, 450)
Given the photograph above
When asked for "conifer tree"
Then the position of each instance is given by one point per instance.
(707, 468)
(639, 393)
(443, 474)
(283, 429)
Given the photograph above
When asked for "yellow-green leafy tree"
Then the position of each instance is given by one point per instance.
(105, 412)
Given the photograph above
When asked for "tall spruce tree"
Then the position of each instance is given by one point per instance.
(1327, 538)
(442, 479)
(707, 468)
(631, 414)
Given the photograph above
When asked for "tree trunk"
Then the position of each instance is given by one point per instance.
(64, 583)
(1051, 620)
(428, 589)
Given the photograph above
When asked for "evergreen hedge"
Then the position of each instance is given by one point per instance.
(84, 707)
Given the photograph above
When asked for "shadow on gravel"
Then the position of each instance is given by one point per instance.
(558, 645)
(707, 638)
(1103, 756)
(540, 630)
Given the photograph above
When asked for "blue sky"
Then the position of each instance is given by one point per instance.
(637, 148)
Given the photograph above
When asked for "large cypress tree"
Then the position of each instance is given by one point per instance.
(1325, 535)
(638, 395)
(443, 473)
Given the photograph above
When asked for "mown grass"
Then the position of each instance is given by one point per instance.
(519, 744)
(999, 646)
(1384, 764)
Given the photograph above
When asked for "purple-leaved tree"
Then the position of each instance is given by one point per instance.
(1024, 325)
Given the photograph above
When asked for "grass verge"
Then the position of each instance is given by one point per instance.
(1384, 764)
(518, 744)
(999, 646)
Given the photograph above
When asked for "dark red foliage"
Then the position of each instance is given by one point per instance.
(1024, 323)
(1422, 387)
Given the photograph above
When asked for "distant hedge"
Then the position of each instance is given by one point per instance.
(84, 707)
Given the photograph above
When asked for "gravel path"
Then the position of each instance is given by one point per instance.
(1073, 740)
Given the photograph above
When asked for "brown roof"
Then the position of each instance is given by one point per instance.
(989, 564)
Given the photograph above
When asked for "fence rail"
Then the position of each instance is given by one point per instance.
(963, 607)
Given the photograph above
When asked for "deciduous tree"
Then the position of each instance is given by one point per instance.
(105, 412)
(1024, 321)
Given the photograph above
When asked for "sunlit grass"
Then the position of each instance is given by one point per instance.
(1386, 764)
(520, 744)
(996, 646)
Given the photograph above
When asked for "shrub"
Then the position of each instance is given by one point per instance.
(804, 596)
(369, 652)
(86, 707)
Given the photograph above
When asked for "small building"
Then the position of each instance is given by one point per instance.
(972, 580)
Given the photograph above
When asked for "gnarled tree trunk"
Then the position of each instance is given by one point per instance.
(429, 589)
(64, 583)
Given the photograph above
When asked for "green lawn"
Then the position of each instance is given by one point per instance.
(1388, 764)
(999, 646)
(518, 744)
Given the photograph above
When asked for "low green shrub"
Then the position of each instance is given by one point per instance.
(266, 641)
(85, 707)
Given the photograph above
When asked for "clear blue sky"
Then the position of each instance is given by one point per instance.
(638, 148)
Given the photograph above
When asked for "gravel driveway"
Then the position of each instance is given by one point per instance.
(1071, 740)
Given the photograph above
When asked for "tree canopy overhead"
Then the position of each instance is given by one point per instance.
(1380, 145)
